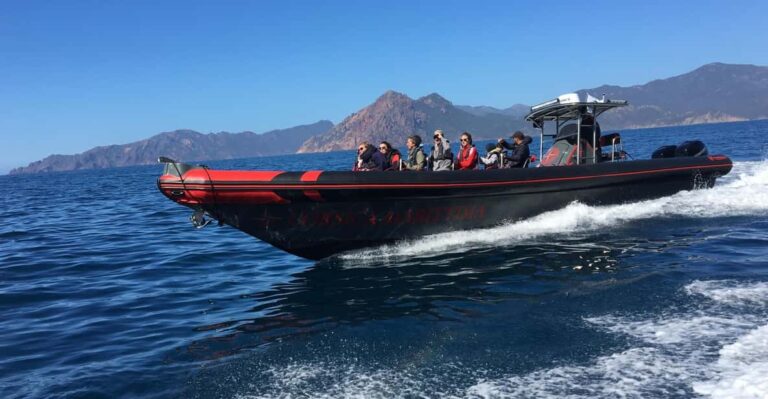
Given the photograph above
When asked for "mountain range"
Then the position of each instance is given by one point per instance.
(712, 93)
(182, 145)
(395, 116)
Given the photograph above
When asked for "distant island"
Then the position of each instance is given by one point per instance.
(712, 93)
(182, 145)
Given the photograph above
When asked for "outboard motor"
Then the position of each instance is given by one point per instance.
(694, 148)
(665, 151)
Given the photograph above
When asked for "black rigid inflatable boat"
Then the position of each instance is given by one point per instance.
(316, 214)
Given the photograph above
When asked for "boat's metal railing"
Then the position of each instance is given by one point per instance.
(562, 110)
(198, 215)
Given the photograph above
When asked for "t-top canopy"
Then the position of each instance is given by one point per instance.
(571, 106)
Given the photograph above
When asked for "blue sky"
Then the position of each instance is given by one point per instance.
(76, 74)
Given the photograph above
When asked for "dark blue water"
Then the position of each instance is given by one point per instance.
(106, 290)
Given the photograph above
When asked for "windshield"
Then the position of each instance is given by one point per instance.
(557, 154)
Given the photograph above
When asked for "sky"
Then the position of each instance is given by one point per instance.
(77, 74)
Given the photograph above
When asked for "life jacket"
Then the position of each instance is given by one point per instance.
(498, 163)
(412, 156)
(442, 152)
(393, 160)
(466, 154)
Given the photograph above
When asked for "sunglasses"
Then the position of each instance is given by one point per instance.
(361, 149)
(382, 148)
(464, 139)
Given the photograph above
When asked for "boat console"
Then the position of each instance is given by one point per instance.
(577, 136)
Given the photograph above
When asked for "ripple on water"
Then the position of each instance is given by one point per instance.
(106, 289)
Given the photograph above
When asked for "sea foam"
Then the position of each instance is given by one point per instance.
(713, 350)
(718, 348)
(741, 193)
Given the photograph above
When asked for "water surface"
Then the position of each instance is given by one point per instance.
(106, 290)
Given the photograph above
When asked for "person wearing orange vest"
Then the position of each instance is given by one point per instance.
(467, 157)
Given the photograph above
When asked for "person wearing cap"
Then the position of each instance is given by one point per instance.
(520, 150)
(416, 159)
(467, 157)
(441, 157)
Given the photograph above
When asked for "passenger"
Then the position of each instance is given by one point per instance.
(391, 156)
(416, 159)
(441, 157)
(358, 161)
(467, 158)
(493, 157)
(520, 151)
(368, 158)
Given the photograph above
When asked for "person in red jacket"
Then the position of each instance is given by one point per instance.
(467, 158)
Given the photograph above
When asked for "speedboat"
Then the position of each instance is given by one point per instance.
(315, 214)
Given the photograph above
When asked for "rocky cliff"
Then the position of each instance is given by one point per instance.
(712, 93)
(395, 116)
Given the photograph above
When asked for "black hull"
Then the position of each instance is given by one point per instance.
(334, 212)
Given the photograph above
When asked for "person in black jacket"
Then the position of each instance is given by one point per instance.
(368, 158)
(520, 151)
(391, 156)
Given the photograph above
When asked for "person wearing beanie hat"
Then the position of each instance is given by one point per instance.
(493, 156)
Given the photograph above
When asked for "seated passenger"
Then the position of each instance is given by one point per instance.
(441, 157)
(368, 158)
(467, 158)
(493, 157)
(416, 159)
(358, 162)
(520, 151)
(391, 156)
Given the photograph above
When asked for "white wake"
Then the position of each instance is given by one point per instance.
(743, 192)
(718, 349)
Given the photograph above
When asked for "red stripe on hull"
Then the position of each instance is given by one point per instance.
(311, 177)
(206, 175)
(203, 185)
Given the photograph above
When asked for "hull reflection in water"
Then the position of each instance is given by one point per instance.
(338, 292)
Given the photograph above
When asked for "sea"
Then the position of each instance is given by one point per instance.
(108, 291)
